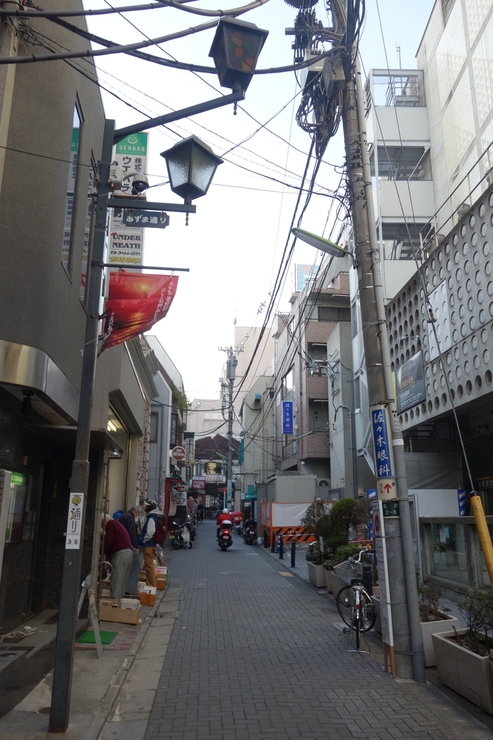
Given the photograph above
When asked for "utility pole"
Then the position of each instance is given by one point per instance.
(391, 476)
(228, 388)
(341, 79)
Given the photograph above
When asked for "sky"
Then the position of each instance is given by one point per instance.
(233, 245)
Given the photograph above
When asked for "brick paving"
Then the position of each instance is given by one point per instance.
(255, 654)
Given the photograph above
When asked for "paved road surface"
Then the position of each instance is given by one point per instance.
(257, 654)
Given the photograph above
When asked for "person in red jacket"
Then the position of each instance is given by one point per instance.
(118, 551)
(224, 517)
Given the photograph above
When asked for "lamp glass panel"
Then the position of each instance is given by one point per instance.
(202, 170)
(178, 167)
(243, 49)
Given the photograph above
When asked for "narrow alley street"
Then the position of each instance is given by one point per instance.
(256, 652)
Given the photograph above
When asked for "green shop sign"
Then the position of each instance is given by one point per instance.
(134, 145)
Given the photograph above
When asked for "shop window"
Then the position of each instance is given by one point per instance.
(449, 552)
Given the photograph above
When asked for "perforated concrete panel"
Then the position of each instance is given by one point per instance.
(458, 279)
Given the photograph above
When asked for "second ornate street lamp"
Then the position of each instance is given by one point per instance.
(191, 166)
(244, 65)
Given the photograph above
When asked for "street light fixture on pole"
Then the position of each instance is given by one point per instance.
(235, 73)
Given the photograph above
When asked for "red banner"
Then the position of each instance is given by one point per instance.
(135, 303)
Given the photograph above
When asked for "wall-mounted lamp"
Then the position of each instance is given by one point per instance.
(116, 453)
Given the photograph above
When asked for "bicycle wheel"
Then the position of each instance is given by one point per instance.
(368, 613)
(345, 603)
(345, 607)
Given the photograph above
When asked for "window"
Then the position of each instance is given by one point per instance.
(317, 351)
(153, 436)
(288, 383)
(319, 415)
(73, 174)
(87, 230)
(330, 313)
(402, 163)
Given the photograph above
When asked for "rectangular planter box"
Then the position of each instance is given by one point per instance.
(330, 581)
(463, 671)
(316, 574)
(446, 624)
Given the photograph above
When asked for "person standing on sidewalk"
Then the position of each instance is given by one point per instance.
(118, 551)
(147, 543)
(127, 520)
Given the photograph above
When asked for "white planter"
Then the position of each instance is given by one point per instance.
(463, 671)
(316, 574)
(446, 624)
(330, 581)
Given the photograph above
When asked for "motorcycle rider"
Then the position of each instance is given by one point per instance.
(224, 517)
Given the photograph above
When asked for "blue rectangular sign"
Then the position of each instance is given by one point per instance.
(287, 417)
(381, 442)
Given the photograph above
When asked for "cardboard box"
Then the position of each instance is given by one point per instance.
(147, 599)
(111, 611)
(160, 583)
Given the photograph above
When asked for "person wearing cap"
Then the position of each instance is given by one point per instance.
(147, 542)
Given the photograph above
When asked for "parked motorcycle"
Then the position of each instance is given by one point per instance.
(225, 535)
(191, 526)
(250, 533)
(179, 535)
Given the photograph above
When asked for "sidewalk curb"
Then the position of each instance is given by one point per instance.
(109, 700)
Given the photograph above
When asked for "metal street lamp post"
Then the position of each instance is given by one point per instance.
(200, 174)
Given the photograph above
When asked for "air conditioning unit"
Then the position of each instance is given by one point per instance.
(323, 482)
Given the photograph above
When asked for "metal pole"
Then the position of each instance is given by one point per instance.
(293, 553)
(281, 547)
(67, 617)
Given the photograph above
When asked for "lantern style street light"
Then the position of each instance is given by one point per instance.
(191, 166)
(191, 181)
(235, 50)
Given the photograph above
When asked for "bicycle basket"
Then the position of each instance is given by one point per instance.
(347, 570)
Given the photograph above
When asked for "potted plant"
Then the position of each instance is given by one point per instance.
(330, 579)
(432, 618)
(463, 656)
(314, 561)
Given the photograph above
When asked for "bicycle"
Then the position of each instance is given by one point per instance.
(354, 603)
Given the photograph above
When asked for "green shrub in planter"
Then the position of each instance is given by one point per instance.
(345, 552)
(477, 611)
(313, 554)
